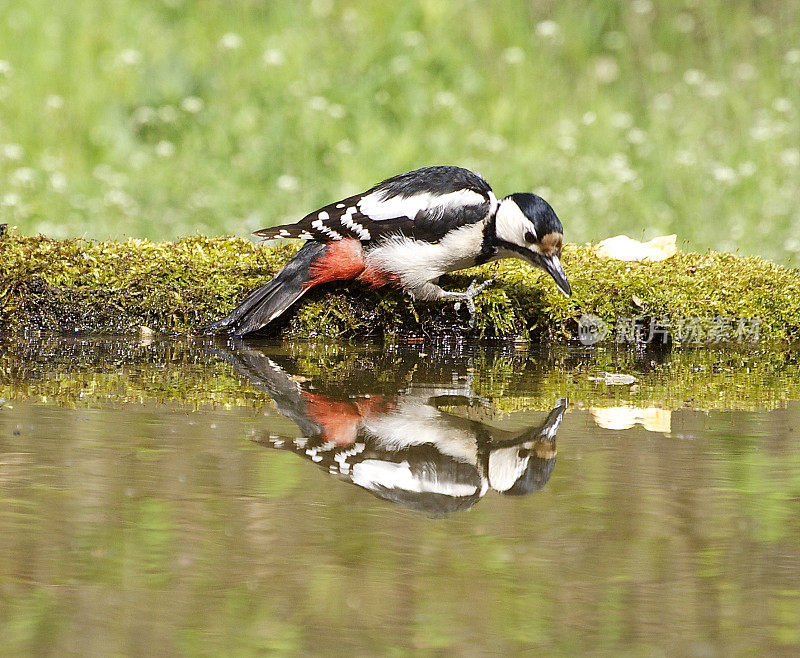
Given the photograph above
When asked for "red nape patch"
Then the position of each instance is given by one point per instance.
(343, 260)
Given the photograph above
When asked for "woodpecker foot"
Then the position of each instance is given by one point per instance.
(468, 296)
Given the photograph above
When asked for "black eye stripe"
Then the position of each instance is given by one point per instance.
(529, 236)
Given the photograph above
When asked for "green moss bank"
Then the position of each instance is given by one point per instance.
(177, 287)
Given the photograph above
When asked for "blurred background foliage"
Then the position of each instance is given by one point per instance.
(158, 118)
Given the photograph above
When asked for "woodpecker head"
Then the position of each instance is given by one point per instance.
(527, 227)
(524, 464)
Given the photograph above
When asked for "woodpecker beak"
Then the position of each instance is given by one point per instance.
(552, 265)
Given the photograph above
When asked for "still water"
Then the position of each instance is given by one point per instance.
(249, 498)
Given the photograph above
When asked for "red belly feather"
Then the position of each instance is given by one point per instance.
(344, 261)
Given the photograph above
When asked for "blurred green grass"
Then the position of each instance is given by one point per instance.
(163, 118)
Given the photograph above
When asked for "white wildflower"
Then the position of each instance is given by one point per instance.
(782, 105)
(51, 162)
(11, 200)
(54, 102)
(642, 6)
(400, 64)
(144, 114)
(762, 26)
(566, 142)
(445, 98)
(636, 136)
(598, 191)
(548, 29)
(495, 143)
(621, 120)
(412, 38)
(117, 198)
(711, 89)
(790, 157)
(345, 146)
(165, 149)
(288, 183)
(23, 177)
(336, 111)
(318, 103)
(192, 104)
(129, 57)
(513, 55)
(724, 174)
(12, 151)
(619, 166)
(792, 56)
(745, 71)
(322, 8)
(273, 57)
(747, 169)
(5, 68)
(230, 41)
(107, 175)
(58, 181)
(662, 102)
(694, 77)
(606, 69)
(589, 118)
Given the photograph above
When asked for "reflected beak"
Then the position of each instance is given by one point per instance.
(552, 265)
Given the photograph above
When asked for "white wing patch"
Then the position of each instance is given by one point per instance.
(376, 207)
(317, 224)
(347, 222)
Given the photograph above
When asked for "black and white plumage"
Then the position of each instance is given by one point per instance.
(400, 445)
(408, 231)
(425, 205)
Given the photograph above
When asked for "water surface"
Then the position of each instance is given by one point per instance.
(179, 498)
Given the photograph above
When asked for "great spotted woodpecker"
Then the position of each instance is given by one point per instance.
(400, 446)
(407, 231)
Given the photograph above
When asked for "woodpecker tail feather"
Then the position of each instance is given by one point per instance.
(272, 299)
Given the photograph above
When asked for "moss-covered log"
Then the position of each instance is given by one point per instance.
(177, 287)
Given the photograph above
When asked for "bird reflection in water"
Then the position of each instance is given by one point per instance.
(403, 446)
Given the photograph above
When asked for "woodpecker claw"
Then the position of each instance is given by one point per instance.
(468, 296)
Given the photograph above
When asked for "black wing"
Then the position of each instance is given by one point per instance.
(423, 204)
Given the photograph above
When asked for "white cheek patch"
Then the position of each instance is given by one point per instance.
(376, 207)
(506, 467)
(511, 224)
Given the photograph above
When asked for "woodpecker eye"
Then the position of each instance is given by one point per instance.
(529, 237)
